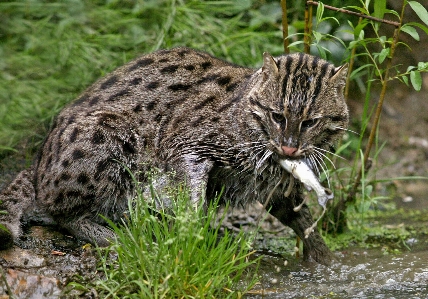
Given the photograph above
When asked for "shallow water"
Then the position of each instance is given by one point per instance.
(356, 273)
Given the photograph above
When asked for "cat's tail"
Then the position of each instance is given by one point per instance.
(15, 199)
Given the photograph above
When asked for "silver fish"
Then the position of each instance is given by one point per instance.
(301, 171)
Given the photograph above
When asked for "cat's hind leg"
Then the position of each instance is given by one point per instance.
(88, 230)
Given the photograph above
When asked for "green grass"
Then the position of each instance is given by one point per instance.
(50, 52)
(175, 254)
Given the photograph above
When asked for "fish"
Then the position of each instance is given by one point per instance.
(301, 171)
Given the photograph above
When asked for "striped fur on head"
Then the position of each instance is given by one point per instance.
(299, 103)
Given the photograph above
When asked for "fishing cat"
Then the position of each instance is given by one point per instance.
(215, 125)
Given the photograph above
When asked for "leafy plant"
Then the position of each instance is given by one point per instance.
(375, 54)
(175, 253)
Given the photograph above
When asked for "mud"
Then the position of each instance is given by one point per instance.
(43, 262)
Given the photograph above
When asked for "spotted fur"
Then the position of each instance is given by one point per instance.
(213, 124)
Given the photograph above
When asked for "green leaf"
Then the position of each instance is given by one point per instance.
(320, 11)
(405, 80)
(358, 30)
(322, 51)
(296, 43)
(420, 11)
(355, 73)
(383, 54)
(379, 8)
(410, 31)
(416, 80)
(393, 12)
(368, 190)
(409, 68)
(422, 66)
(359, 9)
(317, 35)
(364, 206)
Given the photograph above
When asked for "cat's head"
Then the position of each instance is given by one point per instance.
(298, 104)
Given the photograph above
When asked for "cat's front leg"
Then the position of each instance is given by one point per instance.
(194, 172)
(313, 245)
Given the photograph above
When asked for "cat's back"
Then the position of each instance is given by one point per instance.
(162, 78)
(129, 114)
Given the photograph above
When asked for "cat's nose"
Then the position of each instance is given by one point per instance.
(289, 151)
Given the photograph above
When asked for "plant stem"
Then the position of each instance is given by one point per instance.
(351, 195)
(308, 29)
(350, 67)
(285, 26)
(306, 36)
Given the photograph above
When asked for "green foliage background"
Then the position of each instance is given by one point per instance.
(51, 51)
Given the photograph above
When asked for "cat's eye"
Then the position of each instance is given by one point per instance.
(278, 117)
(309, 123)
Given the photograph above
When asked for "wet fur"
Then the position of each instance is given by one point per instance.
(213, 124)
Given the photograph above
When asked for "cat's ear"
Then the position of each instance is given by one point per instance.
(269, 66)
(339, 76)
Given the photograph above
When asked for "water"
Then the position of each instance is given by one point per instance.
(356, 273)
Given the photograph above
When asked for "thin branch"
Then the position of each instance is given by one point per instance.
(350, 68)
(285, 26)
(350, 12)
(310, 29)
(306, 36)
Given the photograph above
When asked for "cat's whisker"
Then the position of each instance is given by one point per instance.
(244, 146)
(315, 164)
(347, 130)
(326, 157)
(245, 150)
(262, 160)
(330, 152)
(321, 159)
(256, 153)
(323, 167)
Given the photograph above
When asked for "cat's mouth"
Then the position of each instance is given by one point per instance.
(290, 152)
(286, 152)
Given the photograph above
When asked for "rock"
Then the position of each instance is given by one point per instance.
(30, 286)
(22, 258)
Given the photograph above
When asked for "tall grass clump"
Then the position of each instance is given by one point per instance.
(175, 253)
